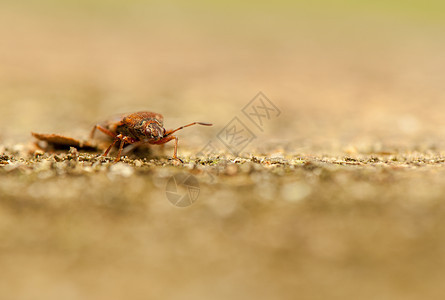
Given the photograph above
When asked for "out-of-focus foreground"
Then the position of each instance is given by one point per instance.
(340, 196)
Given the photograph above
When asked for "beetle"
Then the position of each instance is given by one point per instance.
(139, 128)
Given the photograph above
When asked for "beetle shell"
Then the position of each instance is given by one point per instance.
(134, 126)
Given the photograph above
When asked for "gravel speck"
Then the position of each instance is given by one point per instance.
(121, 169)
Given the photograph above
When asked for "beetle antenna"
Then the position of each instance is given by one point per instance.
(188, 125)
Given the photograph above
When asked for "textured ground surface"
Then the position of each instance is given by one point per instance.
(340, 196)
(76, 225)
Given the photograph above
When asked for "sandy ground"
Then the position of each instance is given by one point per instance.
(339, 196)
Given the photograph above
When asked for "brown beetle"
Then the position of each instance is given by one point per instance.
(138, 128)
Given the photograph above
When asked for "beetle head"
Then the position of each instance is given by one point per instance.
(154, 131)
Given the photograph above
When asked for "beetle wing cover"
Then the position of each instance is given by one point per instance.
(142, 116)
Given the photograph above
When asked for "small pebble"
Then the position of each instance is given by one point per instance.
(121, 169)
(246, 167)
(231, 169)
(277, 155)
(73, 151)
(190, 165)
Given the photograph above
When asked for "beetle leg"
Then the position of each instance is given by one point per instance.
(166, 140)
(176, 150)
(104, 130)
(121, 138)
(111, 146)
(121, 146)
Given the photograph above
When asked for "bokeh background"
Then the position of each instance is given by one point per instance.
(372, 68)
(350, 77)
